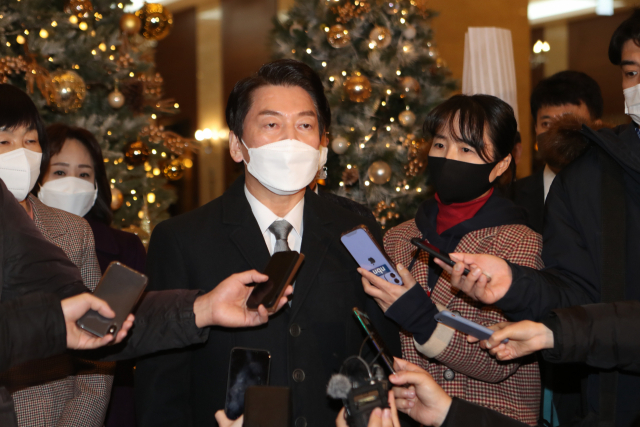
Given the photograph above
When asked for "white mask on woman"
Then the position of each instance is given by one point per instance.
(285, 167)
(632, 102)
(19, 169)
(70, 194)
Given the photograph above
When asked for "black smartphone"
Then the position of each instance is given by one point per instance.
(266, 406)
(383, 350)
(121, 288)
(281, 270)
(247, 367)
(432, 250)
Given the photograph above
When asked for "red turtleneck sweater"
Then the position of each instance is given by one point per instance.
(455, 213)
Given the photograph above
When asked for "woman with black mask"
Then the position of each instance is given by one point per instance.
(473, 137)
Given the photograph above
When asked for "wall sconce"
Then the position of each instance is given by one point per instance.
(539, 56)
(207, 138)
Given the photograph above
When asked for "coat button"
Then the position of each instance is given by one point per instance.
(449, 375)
(298, 376)
(295, 330)
(301, 422)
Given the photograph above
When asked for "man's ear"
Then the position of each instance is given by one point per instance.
(324, 141)
(235, 148)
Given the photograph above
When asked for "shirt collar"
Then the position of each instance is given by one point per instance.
(265, 216)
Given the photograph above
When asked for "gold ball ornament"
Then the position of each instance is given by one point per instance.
(116, 99)
(338, 36)
(407, 118)
(79, 8)
(136, 153)
(156, 21)
(379, 172)
(67, 90)
(380, 37)
(339, 145)
(174, 170)
(409, 86)
(130, 24)
(116, 199)
(358, 88)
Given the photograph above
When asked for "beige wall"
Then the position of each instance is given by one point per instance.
(455, 16)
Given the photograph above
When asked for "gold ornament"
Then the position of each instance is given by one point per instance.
(358, 88)
(116, 199)
(417, 154)
(156, 21)
(116, 99)
(79, 8)
(130, 24)
(10, 65)
(379, 172)
(339, 145)
(379, 37)
(350, 176)
(136, 153)
(409, 86)
(338, 36)
(407, 118)
(348, 11)
(66, 90)
(174, 170)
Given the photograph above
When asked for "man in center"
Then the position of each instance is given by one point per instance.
(278, 119)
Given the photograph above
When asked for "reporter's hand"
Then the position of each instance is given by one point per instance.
(525, 337)
(383, 292)
(387, 417)
(223, 421)
(74, 308)
(226, 304)
(424, 401)
(489, 278)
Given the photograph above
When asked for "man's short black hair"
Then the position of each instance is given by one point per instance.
(567, 87)
(283, 72)
(628, 30)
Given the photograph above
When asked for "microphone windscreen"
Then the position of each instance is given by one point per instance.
(339, 386)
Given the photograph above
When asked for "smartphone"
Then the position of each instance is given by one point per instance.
(432, 250)
(281, 269)
(383, 350)
(465, 326)
(121, 288)
(247, 367)
(266, 406)
(369, 255)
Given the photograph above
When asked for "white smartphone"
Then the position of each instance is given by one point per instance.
(369, 255)
(465, 326)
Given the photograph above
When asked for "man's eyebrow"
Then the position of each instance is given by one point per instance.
(307, 113)
(546, 117)
(628, 62)
(269, 113)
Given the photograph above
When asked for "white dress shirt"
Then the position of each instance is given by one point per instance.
(547, 178)
(266, 217)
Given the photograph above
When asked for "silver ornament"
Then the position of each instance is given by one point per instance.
(409, 32)
(379, 172)
(116, 99)
(339, 145)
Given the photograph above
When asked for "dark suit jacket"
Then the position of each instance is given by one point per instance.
(117, 245)
(529, 194)
(203, 247)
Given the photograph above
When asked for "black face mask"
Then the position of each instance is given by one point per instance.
(459, 182)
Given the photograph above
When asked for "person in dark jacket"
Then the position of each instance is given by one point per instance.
(604, 182)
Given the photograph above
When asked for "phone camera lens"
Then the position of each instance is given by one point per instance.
(396, 280)
(393, 275)
(112, 329)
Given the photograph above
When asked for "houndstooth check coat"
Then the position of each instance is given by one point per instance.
(462, 369)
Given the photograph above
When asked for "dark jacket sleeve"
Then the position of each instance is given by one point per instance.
(31, 327)
(164, 320)
(464, 414)
(604, 336)
(571, 275)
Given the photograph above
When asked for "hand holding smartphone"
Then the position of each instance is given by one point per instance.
(465, 326)
(247, 367)
(433, 251)
(281, 269)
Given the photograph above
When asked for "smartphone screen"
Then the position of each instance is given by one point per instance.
(383, 350)
(369, 255)
(281, 269)
(247, 367)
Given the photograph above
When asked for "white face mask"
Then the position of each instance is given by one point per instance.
(632, 102)
(19, 169)
(285, 167)
(70, 194)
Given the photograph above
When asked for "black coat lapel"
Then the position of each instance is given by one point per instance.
(316, 239)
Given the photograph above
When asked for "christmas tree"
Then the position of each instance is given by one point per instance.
(87, 63)
(382, 75)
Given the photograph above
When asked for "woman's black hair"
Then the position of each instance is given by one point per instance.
(283, 72)
(477, 114)
(60, 133)
(628, 30)
(17, 110)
